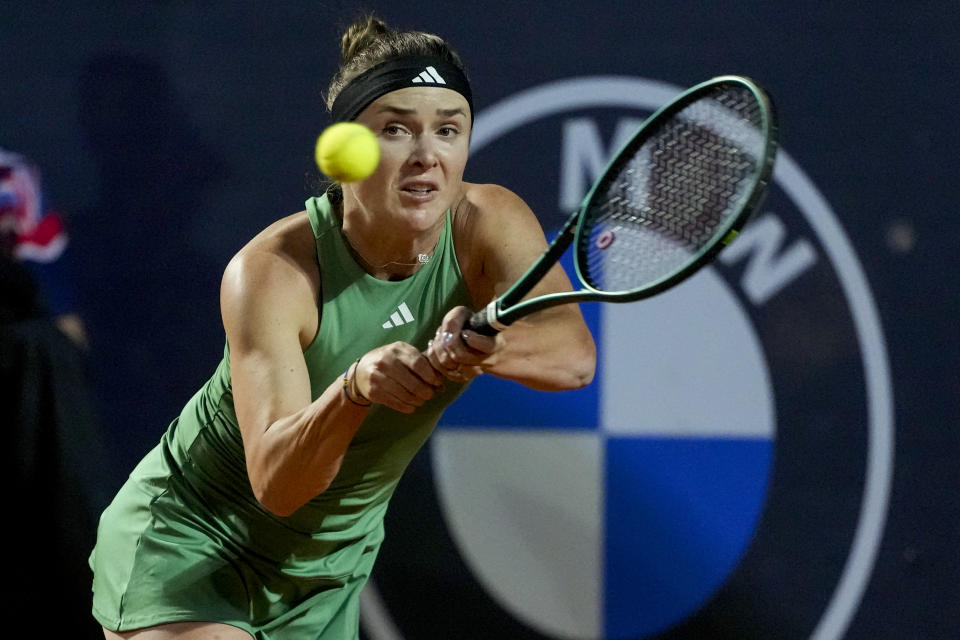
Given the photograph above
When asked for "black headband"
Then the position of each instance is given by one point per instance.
(396, 74)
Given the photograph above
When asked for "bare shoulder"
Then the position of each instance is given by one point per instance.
(283, 249)
(487, 212)
(497, 237)
(494, 203)
(276, 269)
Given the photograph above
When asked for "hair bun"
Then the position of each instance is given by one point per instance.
(360, 35)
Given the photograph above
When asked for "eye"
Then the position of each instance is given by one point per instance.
(447, 131)
(393, 130)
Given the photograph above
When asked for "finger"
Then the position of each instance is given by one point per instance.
(392, 381)
(465, 373)
(417, 375)
(439, 361)
(397, 396)
(440, 353)
(478, 342)
(451, 349)
(409, 387)
(461, 351)
(447, 368)
(433, 358)
(426, 370)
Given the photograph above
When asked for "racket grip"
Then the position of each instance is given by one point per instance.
(481, 321)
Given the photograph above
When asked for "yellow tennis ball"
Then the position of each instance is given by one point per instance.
(347, 152)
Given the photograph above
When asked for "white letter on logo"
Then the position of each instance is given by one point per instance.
(767, 273)
(584, 157)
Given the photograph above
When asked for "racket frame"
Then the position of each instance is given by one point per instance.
(506, 308)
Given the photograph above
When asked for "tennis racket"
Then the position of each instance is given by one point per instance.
(677, 193)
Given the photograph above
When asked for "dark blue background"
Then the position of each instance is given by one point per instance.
(171, 132)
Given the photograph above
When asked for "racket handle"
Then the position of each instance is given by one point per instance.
(485, 321)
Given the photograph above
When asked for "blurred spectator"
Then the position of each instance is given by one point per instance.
(34, 279)
(55, 458)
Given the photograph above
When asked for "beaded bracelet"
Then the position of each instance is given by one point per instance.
(350, 384)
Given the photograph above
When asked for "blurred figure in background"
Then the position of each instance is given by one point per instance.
(56, 455)
(33, 243)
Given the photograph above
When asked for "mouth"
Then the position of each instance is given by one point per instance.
(419, 189)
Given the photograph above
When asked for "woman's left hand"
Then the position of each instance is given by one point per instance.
(458, 353)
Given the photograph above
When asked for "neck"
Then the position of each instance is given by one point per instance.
(388, 260)
(392, 269)
(386, 246)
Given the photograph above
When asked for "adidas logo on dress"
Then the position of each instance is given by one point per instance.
(429, 76)
(399, 317)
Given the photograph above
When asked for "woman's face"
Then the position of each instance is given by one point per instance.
(424, 136)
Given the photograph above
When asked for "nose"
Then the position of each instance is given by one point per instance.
(424, 152)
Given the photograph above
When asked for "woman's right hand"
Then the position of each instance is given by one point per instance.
(398, 376)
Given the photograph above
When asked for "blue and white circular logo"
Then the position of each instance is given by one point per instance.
(725, 476)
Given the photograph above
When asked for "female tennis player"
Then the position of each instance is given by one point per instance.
(260, 512)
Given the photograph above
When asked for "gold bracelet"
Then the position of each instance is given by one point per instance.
(350, 384)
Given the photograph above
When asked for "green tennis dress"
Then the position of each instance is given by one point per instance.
(186, 540)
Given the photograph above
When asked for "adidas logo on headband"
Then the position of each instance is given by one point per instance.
(394, 74)
(429, 76)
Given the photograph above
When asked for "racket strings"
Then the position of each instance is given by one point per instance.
(674, 192)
